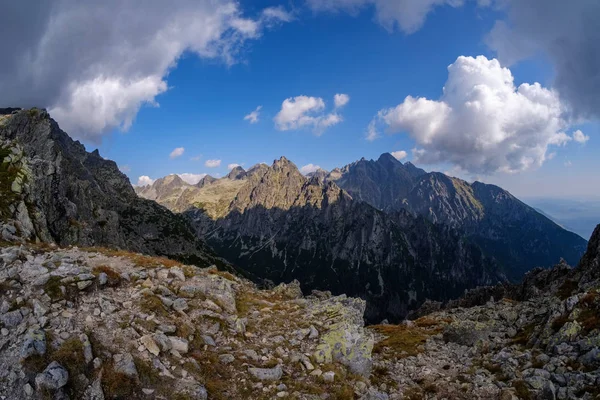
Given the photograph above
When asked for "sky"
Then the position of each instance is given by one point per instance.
(501, 91)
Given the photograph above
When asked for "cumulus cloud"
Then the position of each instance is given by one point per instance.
(124, 168)
(399, 155)
(253, 116)
(212, 163)
(567, 33)
(580, 137)
(232, 166)
(94, 64)
(340, 100)
(305, 112)
(308, 168)
(144, 181)
(482, 123)
(178, 152)
(192, 179)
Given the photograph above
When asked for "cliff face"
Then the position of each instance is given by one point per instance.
(56, 191)
(505, 228)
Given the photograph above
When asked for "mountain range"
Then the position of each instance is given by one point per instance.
(382, 230)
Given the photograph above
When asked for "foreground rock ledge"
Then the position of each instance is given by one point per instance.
(96, 323)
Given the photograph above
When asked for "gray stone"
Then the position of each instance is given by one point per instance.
(34, 344)
(266, 374)
(208, 340)
(87, 348)
(591, 358)
(226, 358)
(177, 273)
(102, 279)
(163, 341)
(179, 344)
(81, 285)
(180, 305)
(54, 377)
(124, 364)
(328, 376)
(94, 391)
(11, 318)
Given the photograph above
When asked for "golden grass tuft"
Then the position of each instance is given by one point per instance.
(140, 260)
(402, 341)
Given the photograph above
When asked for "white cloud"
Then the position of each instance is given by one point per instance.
(579, 137)
(551, 155)
(196, 158)
(340, 100)
(308, 168)
(212, 163)
(408, 15)
(144, 181)
(305, 112)
(124, 168)
(399, 155)
(232, 166)
(118, 58)
(253, 116)
(277, 14)
(178, 152)
(372, 132)
(192, 179)
(568, 164)
(482, 123)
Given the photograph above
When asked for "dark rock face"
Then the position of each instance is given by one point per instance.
(283, 226)
(513, 233)
(69, 196)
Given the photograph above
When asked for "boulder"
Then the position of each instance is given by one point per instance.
(54, 377)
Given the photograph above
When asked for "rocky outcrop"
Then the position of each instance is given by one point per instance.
(54, 191)
(127, 336)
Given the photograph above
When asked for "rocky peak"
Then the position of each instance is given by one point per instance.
(207, 180)
(387, 158)
(319, 173)
(237, 173)
(69, 196)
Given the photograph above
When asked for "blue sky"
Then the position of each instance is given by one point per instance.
(320, 53)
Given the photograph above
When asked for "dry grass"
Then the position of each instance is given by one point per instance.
(152, 304)
(522, 337)
(113, 276)
(402, 341)
(428, 322)
(222, 274)
(140, 260)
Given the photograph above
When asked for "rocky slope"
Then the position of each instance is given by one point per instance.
(536, 340)
(505, 228)
(281, 226)
(115, 325)
(112, 325)
(53, 190)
